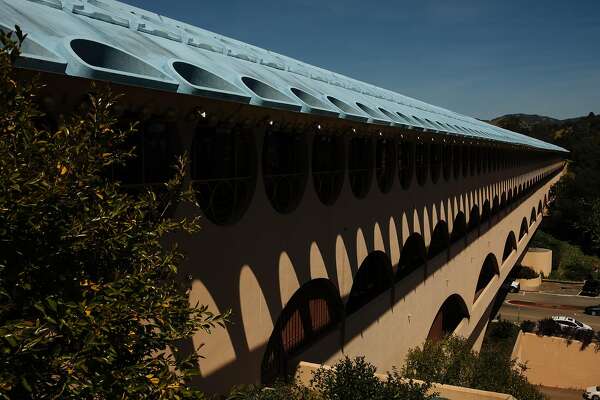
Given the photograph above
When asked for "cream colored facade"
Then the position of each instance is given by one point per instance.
(260, 258)
(540, 260)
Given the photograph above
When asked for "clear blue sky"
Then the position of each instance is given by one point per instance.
(482, 58)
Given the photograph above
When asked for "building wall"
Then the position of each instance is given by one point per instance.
(254, 264)
(555, 362)
(540, 260)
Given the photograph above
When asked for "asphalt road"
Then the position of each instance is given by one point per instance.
(534, 306)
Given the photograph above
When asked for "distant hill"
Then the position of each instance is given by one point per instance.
(561, 132)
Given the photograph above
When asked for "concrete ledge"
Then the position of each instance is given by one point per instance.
(305, 371)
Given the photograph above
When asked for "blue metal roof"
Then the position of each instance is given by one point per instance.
(109, 40)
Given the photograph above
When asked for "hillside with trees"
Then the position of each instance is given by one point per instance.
(575, 213)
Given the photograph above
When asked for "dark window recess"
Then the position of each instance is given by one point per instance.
(385, 163)
(456, 160)
(447, 161)
(373, 278)
(474, 152)
(509, 246)
(465, 160)
(474, 218)
(488, 271)
(360, 166)
(459, 227)
(313, 310)
(405, 163)
(156, 149)
(421, 162)
(285, 169)
(524, 229)
(223, 172)
(412, 256)
(451, 313)
(440, 240)
(328, 163)
(436, 161)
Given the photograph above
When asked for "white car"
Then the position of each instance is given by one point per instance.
(571, 323)
(593, 393)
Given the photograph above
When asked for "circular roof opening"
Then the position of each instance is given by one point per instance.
(388, 114)
(345, 107)
(200, 77)
(368, 110)
(104, 56)
(263, 90)
(308, 98)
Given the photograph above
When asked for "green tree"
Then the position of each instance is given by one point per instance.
(90, 299)
(452, 361)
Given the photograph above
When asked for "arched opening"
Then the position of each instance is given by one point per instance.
(450, 315)
(495, 205)
(285, 169)
(223, 172)
(385, 163)
(509, 199)
(405, 163)
(421, 162)
(412, 256)
(524, 229)
(509, 246)
(456, 160)
(459, 227)
(540, 208)
(360, 166)
(447, 161)
(488, 271)
(474, 218)
(373, 278)
(328, 162)
(313, 311)
(533, 216)
(503, 201)
(440, 239)
(436, 161)
(486, 212)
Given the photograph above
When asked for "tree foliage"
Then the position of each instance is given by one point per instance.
(90, 295)
(452, 361)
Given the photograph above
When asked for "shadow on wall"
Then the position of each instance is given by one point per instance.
(315, 290)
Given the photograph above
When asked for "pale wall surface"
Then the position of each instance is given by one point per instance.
(529, 285)
(538, 259)
(554, 363)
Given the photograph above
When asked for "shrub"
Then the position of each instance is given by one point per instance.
(452, 361)
(502, 330)
(90, 299)
(526, 273)
(354, 379)
(577, 271)
(528, 326)
(548, 327)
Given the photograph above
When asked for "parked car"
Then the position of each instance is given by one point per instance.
(591, 288)
(592, 310)
(592, 393)
(570, 323)
(511, 286)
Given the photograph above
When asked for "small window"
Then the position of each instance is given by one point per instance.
(223, 172)
(285, 169)
(328, 163)
(385, 163)
(360, 166)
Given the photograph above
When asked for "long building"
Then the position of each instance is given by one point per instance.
(339, 218)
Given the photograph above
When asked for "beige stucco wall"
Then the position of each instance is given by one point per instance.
(553, 362)
(529, 285)
(538, 259)
(255, 265)
(305, 371)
